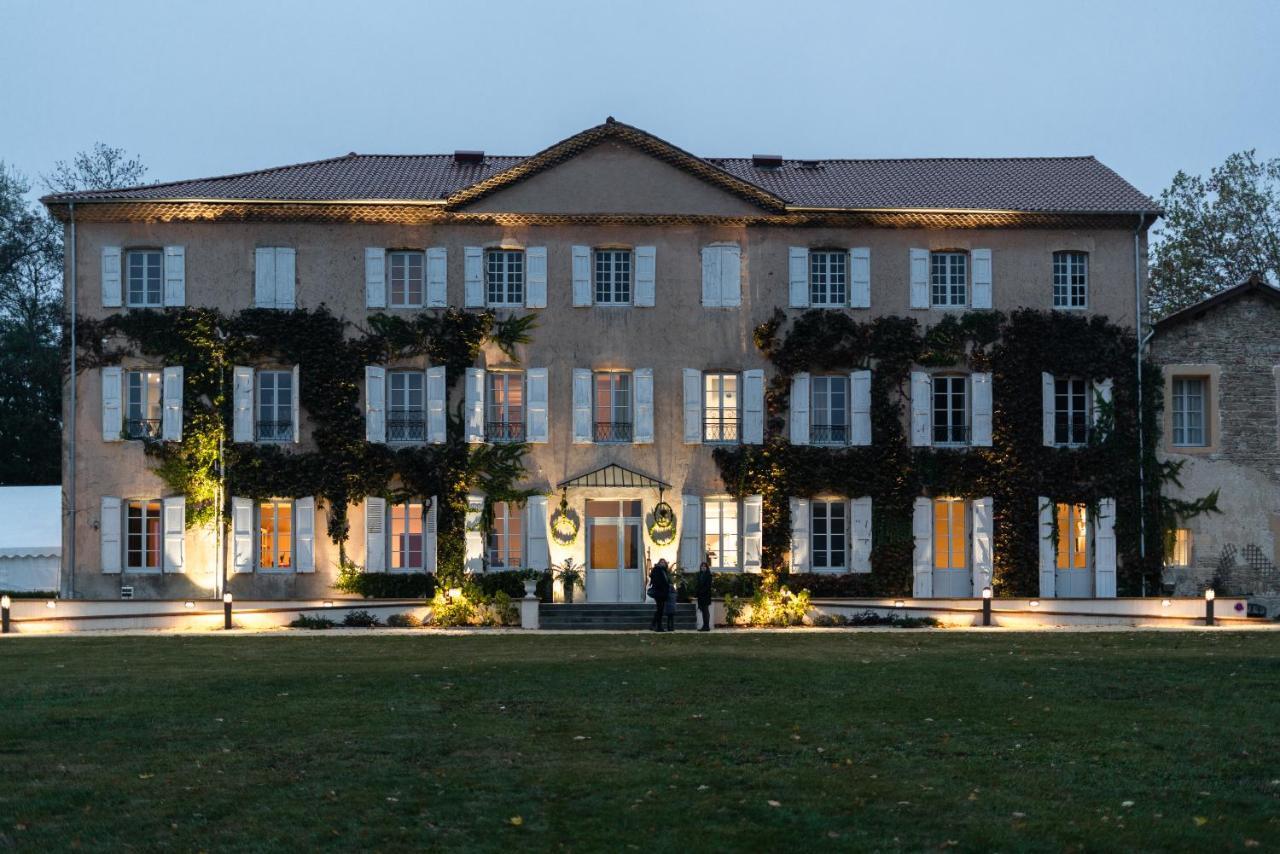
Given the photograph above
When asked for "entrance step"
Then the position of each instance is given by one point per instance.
(614, 616)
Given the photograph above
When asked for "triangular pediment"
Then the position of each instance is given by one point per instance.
(615, 169)
(613, 475)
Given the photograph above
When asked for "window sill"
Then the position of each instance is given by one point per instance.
(138, 571)
(266, 570)
(404, 570)
(416, 307)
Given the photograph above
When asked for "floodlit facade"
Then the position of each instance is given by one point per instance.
(647, 270)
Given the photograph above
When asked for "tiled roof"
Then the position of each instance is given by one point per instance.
(1037, 184)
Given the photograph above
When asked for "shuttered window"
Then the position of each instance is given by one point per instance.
(721, 532)
(504, 277)
(1070, 411)
(949, 279)
(143, 408)
(406, 536)
(950, 410)
(275, 535)
(504, 419)
(720, 407)
(613, 276)
(1070, 280)
(407, 410)
(405, 272)
(828, 534)
(143, 536)
(506, 537)
(828, 278)
(829, 410)
(275, 406)
(612, 407)
(145, 271)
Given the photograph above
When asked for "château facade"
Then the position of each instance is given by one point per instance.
(647, 272)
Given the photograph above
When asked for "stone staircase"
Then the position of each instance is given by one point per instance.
(624, 616)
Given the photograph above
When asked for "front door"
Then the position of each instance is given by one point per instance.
(1074, 577)
(951, 552)
(614, 573)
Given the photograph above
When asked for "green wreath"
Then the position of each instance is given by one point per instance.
(565, 525)
(662, 524)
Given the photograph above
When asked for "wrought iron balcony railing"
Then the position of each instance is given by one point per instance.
(721, 430)
(829, 434)
(613, 431)
(950, 434)
(504, 431)
(143, 428)
(275, 431)
(406, 425)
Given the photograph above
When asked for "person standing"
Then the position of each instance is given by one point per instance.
(659, 588)
(670, 604)
(703, 590)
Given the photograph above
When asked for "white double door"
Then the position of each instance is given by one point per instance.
(615, 569)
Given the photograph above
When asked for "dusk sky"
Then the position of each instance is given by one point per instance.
(201, 89)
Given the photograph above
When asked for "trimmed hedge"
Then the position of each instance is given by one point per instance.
(820, 585)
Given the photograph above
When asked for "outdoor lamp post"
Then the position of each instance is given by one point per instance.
(5, 604)
(1208, 607)
(986, 606)
(226, 610)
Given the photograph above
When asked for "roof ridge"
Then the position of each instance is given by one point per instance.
(924, 159)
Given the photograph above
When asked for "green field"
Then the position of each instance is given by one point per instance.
(748, 741)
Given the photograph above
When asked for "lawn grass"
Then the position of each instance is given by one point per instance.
(747, 742)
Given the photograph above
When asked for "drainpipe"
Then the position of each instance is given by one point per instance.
(71, 421)
(1141, 342)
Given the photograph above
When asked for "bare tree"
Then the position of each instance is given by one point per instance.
(102, 167)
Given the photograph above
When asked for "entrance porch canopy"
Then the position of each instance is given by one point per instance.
(616, 476)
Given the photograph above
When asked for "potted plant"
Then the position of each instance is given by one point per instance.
(530, 577)
(569, 574)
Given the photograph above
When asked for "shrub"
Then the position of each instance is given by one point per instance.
(360, 620)
(309, 621)
(385, 585)
(771, 605)
(871, 618)
(403, 621)
(473, 608)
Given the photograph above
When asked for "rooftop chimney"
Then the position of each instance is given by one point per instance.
(461, 156)
(766, 161)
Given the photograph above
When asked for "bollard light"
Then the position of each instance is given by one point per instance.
(188, 604)
(1209, 595)
(51, 604)
(986, 606)
(1165, 603)
(5, 604)
(226, 610)
(1208, 607)
(1034, 603)
(899, 603)
(328, 603)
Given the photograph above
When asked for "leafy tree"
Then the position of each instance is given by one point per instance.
(1216, 232)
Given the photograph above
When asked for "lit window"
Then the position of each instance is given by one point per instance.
(950, 410)
(142, 536)
(827, 535)
(1073, 536)
(506, 537)
(275, 535)
(950, 534)
(1070, 411)
(504, 277)
(613, 276)
(407, 414)
(829, 410)
(828, 282)
(720, 539)
(504, 401)
(1070, 280)
(1178, 550)
(949, 279)
(145, 270)
(406, 537)
(1188, 412)
(612, 407)
(143, 404)
(405, 271)
(275, 406)
(720, 412)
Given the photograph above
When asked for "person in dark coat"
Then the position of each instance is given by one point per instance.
(702, 589)
(659, 588)
(670, 605)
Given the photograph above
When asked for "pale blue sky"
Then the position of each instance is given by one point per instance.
(206, 88)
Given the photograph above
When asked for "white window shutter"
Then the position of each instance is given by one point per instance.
(983, 544)
(375, 534)
(429, 535)
(860, 407)
(1049, 408)
(753, 407)
(691, 551)
(241, 535)
(295, 404)
(537, 426)
(536, 515)
(798, 276)
(264, 277)
(437, 423)
(1048, 560)
(981, 428)
(535, 280)
(981, 278)
(921, 409)
(437, 277)
(304, 512)
(473, 277)
(922, 554)
(1101, 396)
(919, 278)
(643, 378)
(860, 277)
(242, 404)
(174, 513)
(474, 393)
(582, 431)
(112, 293)
(375, 277)
(731, 276)
(109, 535)
(711, 297)
(112, 411)
(375, 403)
(171, 414)
(646, 276)
(692, 406)
(474, 536)
(581, 276)
(1104, 550)
(800, 409)
(799, 534)
(286, 277)
(752, 533)
(175, 276)
(860, 534)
